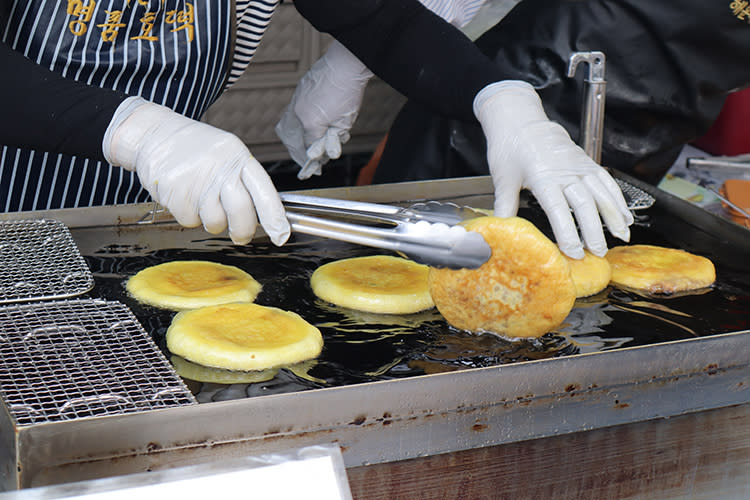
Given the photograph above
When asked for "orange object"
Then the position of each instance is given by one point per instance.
(368, 171)
(737, 191)
(729, 135)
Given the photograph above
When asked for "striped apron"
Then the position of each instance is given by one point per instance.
(173, 52)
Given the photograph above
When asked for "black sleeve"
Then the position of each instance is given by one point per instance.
(409, 47)
(669, 66)
(44, 111)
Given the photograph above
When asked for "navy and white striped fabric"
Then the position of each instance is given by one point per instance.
(172, 52)
(176, 53)
(253, 17)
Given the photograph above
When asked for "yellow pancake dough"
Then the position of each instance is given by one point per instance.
(208, 374)
(525, 289)
(659, 270)
(590, 275)
(377, 284)
(189, 284)
(243, 336)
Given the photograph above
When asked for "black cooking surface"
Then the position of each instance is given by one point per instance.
(363, 347)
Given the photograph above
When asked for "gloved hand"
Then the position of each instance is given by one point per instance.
(323, 109)
(199, 173)
(526, 150)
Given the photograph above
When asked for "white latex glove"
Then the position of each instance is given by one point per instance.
(199, 173)
(323, 109)
(526, 150)
(326, 102)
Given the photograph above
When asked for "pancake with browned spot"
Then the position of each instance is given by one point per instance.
(525, 289)
(659, 270)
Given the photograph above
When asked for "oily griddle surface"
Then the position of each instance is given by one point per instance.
(363, 347)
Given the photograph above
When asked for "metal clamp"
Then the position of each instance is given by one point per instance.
(592, 117)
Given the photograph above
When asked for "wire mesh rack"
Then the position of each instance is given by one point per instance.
(40, 261)
(79, 358)
(635, 197)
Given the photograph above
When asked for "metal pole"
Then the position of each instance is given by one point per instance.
(592, 116)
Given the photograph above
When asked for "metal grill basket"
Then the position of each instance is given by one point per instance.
(81, 358)
(39, 260)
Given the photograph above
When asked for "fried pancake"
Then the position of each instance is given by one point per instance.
(524, 290)
(591, 274)
(190, 284)
(659, 270)
(208, 374)
(377, 284)
(243, 336)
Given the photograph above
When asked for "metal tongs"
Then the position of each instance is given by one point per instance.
(427, 232)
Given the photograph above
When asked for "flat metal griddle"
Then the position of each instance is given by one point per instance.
(388, 392)
(362, 347)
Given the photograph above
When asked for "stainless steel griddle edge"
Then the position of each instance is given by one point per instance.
(396, 420)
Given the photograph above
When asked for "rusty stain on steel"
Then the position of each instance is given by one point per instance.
(279, 437)
(472, 409)
(188, 448)
(712, 369)
(359, 420)
(277, 434)
(386, 419)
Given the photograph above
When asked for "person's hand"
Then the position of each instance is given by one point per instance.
(323, 110)
(526, 150)
(199, 173)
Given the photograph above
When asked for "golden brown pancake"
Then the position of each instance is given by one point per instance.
(524, 290)
(377, 284)
(243, 336)
(591, 274)
(659, 270)
(181, 285)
